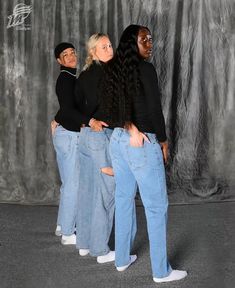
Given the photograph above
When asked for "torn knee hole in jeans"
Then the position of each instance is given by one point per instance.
(107, 170)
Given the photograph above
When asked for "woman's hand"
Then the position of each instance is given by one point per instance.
(97, 125)
(164, 146)
(137, 138)
(54, 124)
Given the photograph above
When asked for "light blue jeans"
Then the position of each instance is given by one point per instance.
(144, 166)
(66, 146)
(96, 192)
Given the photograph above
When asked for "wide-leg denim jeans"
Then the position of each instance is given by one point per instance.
(96, 192)
(144, 166)
(66, 146)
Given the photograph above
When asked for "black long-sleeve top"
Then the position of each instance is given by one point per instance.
(69, 116)
(148, 116)
(86, 89)
(147, 113)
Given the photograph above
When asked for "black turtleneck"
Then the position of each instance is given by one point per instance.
(68, 115)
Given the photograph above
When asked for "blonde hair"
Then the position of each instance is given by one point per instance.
(90, 45)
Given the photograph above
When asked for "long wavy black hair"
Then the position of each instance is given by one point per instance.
(120, 84)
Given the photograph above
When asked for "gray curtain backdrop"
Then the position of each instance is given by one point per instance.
(194, 43)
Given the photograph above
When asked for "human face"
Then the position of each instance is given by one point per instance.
(103, 50)
(68, 58)
(145, 43)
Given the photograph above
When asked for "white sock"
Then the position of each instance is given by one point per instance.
(173, 276)
(106, 258)
(58, 231)
(84, 252)
(132, 259)
(68, 240)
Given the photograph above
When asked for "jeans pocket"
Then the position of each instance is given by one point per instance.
(137, 156)
(96, 140)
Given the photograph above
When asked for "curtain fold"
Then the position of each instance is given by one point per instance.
(194, 43)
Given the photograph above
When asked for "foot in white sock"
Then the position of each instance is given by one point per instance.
(84, 252)
(106, 258)
(58, 231)
(68, 240)
(123, 268)
(173, 276)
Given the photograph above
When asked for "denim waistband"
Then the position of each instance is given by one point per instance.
(118, 132)
(61, 129)
(86, 130)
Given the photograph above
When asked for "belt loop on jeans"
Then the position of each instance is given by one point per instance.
(120, 131)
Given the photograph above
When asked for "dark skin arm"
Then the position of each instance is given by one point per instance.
(164, 146)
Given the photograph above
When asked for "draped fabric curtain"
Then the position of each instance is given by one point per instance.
(194, 43)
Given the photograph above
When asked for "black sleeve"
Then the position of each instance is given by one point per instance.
(69, 110)
(150, 82)
(86, 89)
(80, 100)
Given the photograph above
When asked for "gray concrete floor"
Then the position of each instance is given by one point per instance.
(201, 239)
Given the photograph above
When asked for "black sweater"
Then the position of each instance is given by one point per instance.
(86, 89)
(148, 116)
(147, 110)
(69, 116)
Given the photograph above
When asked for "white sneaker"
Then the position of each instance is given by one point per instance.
(173, 276)
(68, 240)
(123, 268)
(106, 258)
(58, 230)
(84, 252)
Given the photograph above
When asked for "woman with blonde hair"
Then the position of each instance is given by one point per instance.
(96, 190)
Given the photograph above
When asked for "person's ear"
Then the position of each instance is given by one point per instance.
(59, 61)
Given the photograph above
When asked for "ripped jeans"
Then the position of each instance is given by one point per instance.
(96, 192)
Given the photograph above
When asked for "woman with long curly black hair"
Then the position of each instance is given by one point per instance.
(130, 102)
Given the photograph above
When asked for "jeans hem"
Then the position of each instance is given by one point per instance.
(168, 273)
(96, 254)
